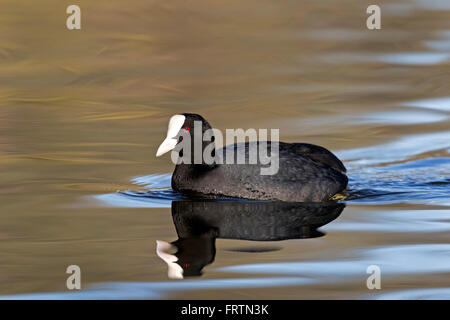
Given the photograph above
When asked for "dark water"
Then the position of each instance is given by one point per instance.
(82, 115)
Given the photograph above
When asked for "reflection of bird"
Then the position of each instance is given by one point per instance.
(306, 172)
(199, 223)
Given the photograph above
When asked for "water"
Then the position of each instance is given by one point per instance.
(82, 114)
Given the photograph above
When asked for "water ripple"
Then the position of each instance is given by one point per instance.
(415, 294)
(442, 103)
(392, 260)
(158, 290)
(399, 150)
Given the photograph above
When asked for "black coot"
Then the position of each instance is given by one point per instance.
(199, 223)
(306, 172)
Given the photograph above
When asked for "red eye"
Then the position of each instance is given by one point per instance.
(186, 129)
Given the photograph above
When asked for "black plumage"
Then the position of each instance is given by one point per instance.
(307, 173)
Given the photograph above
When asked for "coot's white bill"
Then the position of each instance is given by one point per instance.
(175, 124)
(175, 270)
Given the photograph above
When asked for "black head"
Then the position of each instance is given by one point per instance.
(181, 126)
(191, 118)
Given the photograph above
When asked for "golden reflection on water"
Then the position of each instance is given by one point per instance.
(81, 112)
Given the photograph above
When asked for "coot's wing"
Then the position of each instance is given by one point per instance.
(312, 180)
(299, 178)
(317, 153)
